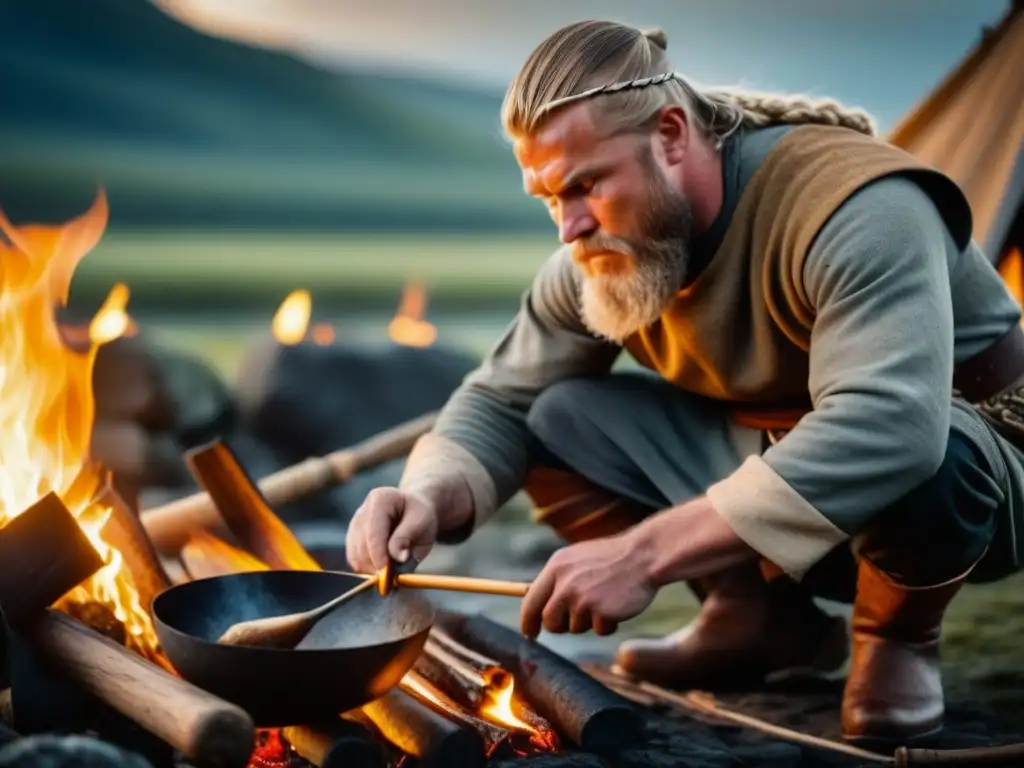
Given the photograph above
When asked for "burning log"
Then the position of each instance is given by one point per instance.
(44, 553)
(205, 555)
(124, 532)
(206, 729)
(481, 684)
(343, 743)
(581, 708)
(245, 510)
(169, 526)
(497, 739)
(423, 732)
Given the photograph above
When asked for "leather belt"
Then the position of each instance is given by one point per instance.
(988, 374)
(993, 371)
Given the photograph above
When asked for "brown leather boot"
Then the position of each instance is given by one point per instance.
(747, 629)
(894, 691)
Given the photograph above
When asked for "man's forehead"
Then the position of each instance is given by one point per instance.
(565, 140)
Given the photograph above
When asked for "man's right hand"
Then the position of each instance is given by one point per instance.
(390, 522)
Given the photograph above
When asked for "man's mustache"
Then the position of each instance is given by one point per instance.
(599, 244)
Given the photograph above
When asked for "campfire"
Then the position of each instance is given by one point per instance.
(46, 408)
(475, 692)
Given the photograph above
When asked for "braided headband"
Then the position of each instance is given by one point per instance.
(644, 82)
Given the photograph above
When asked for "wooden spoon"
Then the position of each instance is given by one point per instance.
(286, 631)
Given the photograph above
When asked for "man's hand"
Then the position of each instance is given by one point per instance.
(390, 522)
(596, 584)
(590, 585)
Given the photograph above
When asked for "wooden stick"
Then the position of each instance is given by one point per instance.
(702, 704)
(45, 554)
(245, 510)
(442, 638)
(206, 729)
(169, 525)
(205, 555)
(124, 532)
(459, 584)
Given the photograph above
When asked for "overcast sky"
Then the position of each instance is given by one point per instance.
(882, 55)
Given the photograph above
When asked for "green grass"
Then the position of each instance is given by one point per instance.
(243, 270)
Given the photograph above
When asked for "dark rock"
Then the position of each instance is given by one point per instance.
(127, 385)
(204, 407)
(309, 399)
(51, 751)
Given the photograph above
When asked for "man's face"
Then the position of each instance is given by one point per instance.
(628, 227)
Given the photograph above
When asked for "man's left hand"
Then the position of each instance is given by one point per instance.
(590, 585)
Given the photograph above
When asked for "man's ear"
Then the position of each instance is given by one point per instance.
(672, 133)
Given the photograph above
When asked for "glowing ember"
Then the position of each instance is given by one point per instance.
(47, 405)
(292, 318)
(271, 750)
(408, 326)
(323, 334)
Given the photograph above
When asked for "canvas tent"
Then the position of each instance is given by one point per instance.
(972, 128)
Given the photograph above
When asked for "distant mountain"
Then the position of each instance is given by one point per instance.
(185, 129)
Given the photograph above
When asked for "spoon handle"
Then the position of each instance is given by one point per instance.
(344, 597)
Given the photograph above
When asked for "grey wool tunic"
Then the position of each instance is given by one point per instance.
(839, 272)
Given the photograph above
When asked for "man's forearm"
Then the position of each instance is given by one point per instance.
(471, 463)
(479, 445)
(688, 541)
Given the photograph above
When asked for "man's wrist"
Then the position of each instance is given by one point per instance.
(654, 543)
(452, 502)
(687, 541)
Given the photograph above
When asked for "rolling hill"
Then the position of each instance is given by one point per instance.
(188, 130)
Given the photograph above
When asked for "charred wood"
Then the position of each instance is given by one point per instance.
(124, 532)
(424, 733)
(44, 554)
(580, 708)
(342, 743)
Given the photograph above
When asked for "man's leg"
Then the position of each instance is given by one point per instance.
(912, 562)
(612, 450)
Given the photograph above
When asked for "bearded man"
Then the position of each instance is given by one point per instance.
(828, 359)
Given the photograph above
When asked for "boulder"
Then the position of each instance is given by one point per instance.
(310, 399)
(54, 751)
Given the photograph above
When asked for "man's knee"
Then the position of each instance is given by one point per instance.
(568, 410)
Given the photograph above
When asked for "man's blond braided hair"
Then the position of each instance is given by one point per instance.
(626, 74)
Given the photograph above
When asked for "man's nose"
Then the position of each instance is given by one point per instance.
(575, 222)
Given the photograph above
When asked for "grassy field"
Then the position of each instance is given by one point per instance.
(247, 271)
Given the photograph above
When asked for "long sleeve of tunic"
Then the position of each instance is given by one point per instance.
(878, 278)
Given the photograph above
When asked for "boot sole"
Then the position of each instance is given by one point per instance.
(886, 745)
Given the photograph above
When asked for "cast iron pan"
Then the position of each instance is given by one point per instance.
(350, 657)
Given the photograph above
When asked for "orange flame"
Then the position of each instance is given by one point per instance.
(292, 318)
(323, 334)
(47, 405)
(499, 708)
(111, 321)
(1011, 269)
(408, 326)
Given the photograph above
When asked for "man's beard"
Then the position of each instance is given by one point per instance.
(617, 306)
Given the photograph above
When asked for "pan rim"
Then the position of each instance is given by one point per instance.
(177, 589)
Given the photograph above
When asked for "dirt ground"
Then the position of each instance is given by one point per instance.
(983, 635)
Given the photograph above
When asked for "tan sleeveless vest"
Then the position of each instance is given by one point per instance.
(741, 332)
